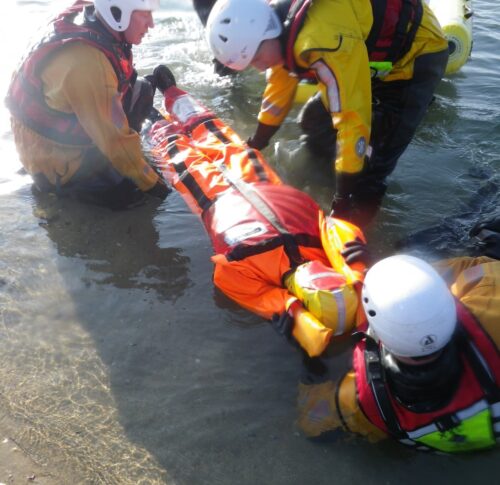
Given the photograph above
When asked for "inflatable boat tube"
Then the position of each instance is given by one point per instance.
(455, 17)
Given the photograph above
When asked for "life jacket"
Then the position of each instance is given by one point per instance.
(243, 204)
(469, 420)
(25, 98)
(395, 24)
(250, 219)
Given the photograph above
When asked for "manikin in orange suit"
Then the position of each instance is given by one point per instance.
(276, 254)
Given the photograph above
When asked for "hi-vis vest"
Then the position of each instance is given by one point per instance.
(25, 98)
(395, 23)
(470, 421)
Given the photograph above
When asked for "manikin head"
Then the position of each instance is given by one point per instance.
(131, 18)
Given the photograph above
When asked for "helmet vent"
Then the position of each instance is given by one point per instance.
(223, 38)
(272, 26)
(116, 13)
(372, 313)
(226, 20)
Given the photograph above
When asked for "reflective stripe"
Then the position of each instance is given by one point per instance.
(268, 107)
(327, 77)
(462, 415)
(495, 410)
(341, 312)
(474, 409)
(418, 433)
(407, 442)
(422, 448)
(473, 275)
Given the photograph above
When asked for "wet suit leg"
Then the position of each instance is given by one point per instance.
(138, 103)
(98, 182)
(398, 109)
(316, 123)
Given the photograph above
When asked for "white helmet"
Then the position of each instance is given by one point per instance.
(235, 29)
(408, 306)
(117, 13)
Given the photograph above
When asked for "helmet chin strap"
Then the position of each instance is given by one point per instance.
(425, 386)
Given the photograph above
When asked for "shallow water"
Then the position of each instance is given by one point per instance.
(120, 363)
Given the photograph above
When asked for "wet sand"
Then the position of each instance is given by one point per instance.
(17, 465)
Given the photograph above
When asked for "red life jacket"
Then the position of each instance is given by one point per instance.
(252, 219)
(395, 23)
(26, 100)
(478, 390)
(246, 214)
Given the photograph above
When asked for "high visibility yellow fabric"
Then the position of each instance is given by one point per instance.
(79, 79)
(326, 294)
(474, 281)
(477, 429)
(332, 42)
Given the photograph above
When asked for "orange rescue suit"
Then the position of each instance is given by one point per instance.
(260, 228)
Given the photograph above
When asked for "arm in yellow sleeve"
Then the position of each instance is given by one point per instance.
(278, 96)
(84, 82)
(451, 268)
(346, 76)
(476, 283)
(330, 405)
(309, 332)
(242, 282)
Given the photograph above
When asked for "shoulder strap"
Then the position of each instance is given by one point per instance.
(291, 28)
(378, 9)
(412, 11)
(249, 193)
(376, 380)
(479, 366)
(411, 14)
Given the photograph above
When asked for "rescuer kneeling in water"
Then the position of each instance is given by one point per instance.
(276, 253)
(77, 105)
(426, 366)
(377, 64)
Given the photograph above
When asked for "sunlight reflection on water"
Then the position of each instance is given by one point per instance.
(120, 363)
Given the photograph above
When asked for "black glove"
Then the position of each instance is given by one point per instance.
(262, 135)
(492, 223)
(283, 324)
(356, 251)
(357, 197)
(159, 190)
(314, 371)
(488, 234)
(162, 78)
(342, 207)
(125, 195)
(346, 186)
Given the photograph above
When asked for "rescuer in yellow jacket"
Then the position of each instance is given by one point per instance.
(275, 252)
(378, 64)
(426, 368)
(76, 105)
